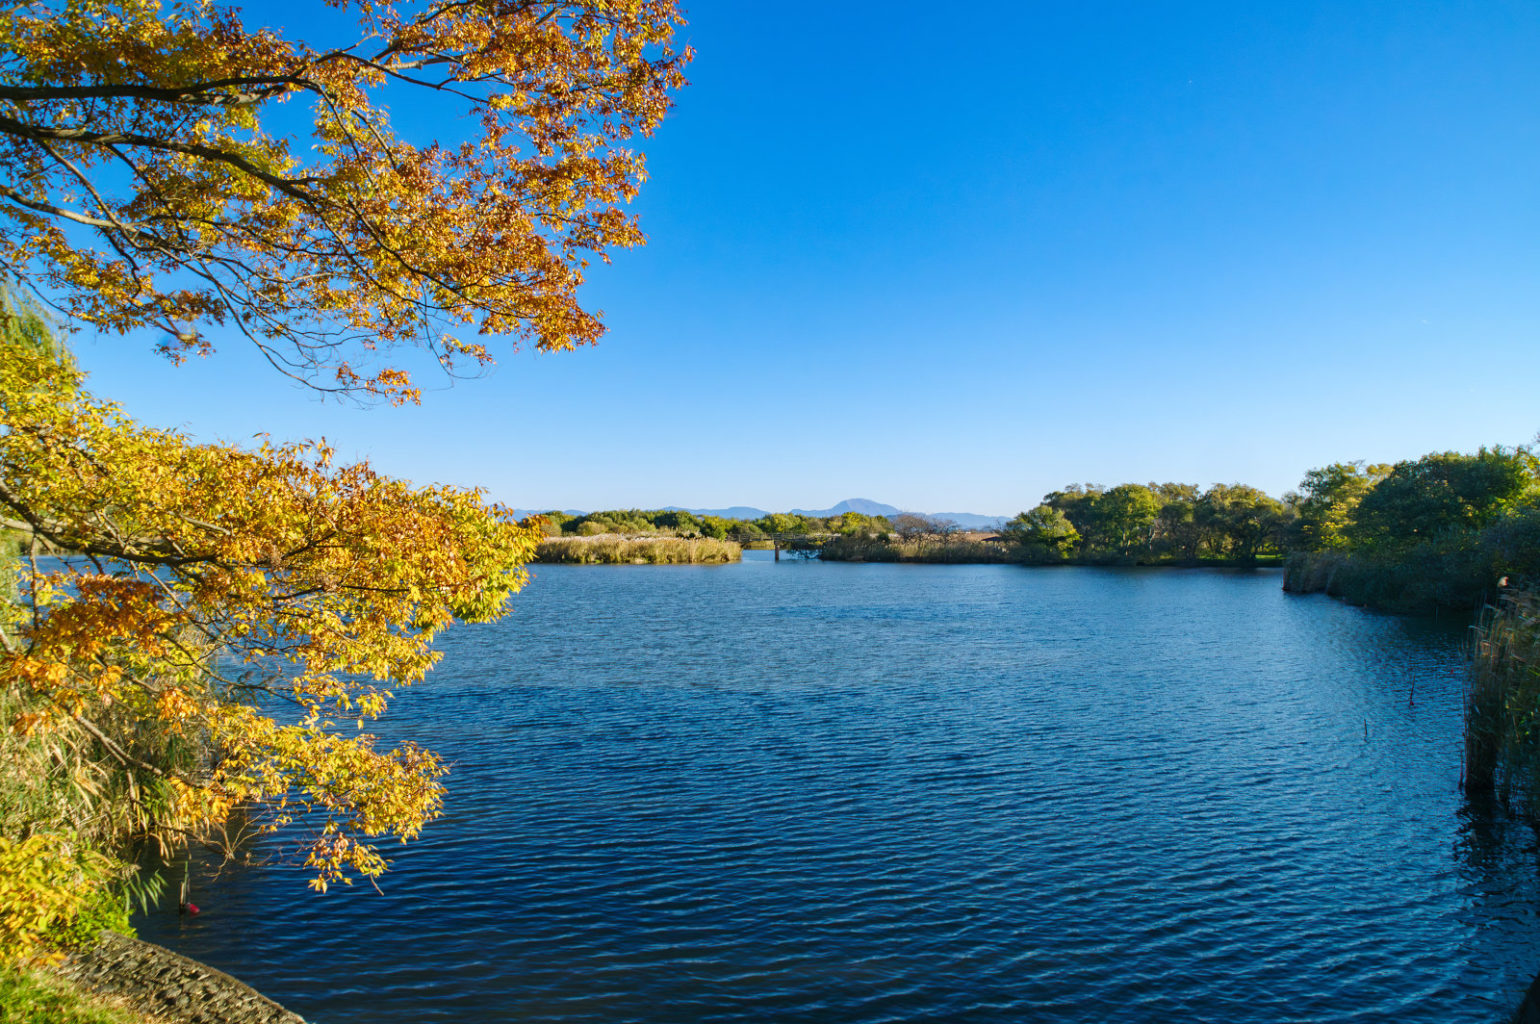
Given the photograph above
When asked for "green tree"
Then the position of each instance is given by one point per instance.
(1043, 533)
(744, 531)
(859, 524)
(677, 520)
(1077, 502)
(716, 527)
(1179, 532)
(555, 522)
(1243, 519)
(1441, 494)
(782, 523)
(1123, 518)
(1326, 500)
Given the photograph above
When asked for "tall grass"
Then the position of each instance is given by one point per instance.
(1502, 705)
(615, 549)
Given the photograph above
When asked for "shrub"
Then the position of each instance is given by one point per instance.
(55, 888)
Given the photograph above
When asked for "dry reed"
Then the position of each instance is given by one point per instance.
(616, 549)
(1502, 702)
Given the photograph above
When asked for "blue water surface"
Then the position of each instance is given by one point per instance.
(860, 793)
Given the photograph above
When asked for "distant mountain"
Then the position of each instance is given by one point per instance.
(970, 520)
(865, 506)
(736, 512)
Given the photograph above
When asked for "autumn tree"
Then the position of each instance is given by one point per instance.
(257, 606)
(148, 179)
(234, 617)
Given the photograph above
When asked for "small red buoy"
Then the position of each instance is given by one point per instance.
(192, 908)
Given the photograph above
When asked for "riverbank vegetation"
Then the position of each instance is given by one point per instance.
(1439, 531)
(935, 550)
(1145, 524)
(680, 523)
(1502, 708)
(617, 549)
(204, 664)
(189, 670)
(1085, 524)
(1436, 531)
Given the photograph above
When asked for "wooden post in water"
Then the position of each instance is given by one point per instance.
(777, 542)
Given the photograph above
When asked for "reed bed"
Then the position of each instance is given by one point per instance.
(616, 549)
(1502, 702)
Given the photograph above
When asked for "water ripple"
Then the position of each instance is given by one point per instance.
(816, 793)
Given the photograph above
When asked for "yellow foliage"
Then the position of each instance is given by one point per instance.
(46, 882)
(236, 603)
(157, 127)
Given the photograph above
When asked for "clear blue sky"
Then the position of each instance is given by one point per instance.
(952, 262)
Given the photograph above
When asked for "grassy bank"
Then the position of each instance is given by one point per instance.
(37, 997)
(613, 549)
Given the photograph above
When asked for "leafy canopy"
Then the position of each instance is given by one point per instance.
(252, 607)
(1044, 529)
(1443, 493)
(147, 177)
(1327, 499)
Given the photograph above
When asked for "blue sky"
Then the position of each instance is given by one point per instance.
(952, 262)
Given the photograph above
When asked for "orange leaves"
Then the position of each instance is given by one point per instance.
(360, 237)
(237, 598)
(312, 777)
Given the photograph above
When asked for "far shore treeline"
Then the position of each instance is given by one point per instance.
(1441, 530)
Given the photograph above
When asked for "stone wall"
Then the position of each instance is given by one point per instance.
(157, 981)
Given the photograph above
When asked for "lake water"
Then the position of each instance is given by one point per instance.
(860, 793)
